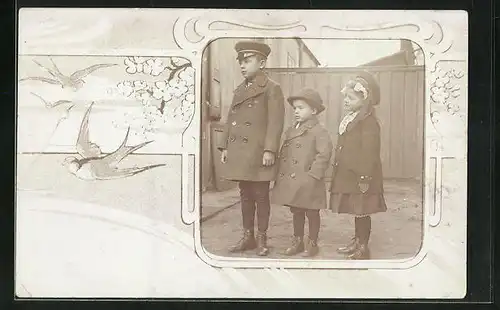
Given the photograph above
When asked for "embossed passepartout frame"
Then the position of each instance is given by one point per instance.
(443, 38)
(445, 108)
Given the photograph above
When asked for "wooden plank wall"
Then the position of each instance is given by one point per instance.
(400, 112)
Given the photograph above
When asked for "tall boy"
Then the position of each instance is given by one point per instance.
(251, 140)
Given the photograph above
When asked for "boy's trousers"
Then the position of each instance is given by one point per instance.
(255, 197)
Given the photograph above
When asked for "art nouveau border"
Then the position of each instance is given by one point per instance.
(435, 45)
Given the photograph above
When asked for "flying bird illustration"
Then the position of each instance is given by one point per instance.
(94, 165)
(53, 104)
(74, 81)
(67, 106)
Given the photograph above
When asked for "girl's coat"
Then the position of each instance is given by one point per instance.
(304, 158)
(357, 181)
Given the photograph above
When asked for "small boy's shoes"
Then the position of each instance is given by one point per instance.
(262, 249)
(311, 249)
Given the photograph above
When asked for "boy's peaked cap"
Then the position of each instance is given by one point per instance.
(250, 48)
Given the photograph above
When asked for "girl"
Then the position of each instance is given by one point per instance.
(356, 186)
(304, 158)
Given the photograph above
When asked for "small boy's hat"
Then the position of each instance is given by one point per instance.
(369, 82)
(310, 96)
(251, 48)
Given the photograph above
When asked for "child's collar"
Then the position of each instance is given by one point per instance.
(310, 123)
(260, 79)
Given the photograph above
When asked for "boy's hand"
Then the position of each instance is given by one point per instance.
(223, 156)
(268, 158)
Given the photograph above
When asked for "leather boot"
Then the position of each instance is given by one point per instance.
(245, 243)
(296, 247)
(311, 249)
(262, 249)
(349, 248)
(361, 252)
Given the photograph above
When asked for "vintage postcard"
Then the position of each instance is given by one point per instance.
(195, 153)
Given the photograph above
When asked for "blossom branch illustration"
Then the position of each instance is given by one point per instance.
(163, 101)
(443, 89)
(175, 69)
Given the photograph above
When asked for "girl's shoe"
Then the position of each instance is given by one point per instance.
(311, 249)
(296, 247)
(361, 252)
(349, 248)
(262, 249)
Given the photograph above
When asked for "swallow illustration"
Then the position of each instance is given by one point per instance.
(74, 81)
(53, 104)
(94, 165)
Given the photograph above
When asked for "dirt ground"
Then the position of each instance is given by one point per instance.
(396, 234)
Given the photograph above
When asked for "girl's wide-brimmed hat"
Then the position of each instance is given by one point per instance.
(310, 96)
(369, 85)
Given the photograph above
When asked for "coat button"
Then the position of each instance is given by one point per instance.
(295, 162)
(248, 123)
(284, 159)
(335, 164)
(250, 105)
(292, 175)
(232, 139)
(298, 145)
(339, 147)
(282, 174)
(233, 123)
(245, 140)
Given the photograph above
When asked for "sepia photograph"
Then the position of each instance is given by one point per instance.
(312, 148)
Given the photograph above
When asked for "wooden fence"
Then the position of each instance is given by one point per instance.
(401, 109)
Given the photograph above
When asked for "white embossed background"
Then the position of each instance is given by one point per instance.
(136, 236)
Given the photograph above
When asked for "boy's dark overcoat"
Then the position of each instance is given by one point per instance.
(357, 157)
(304, 158)
(254, 125)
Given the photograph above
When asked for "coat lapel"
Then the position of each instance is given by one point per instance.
(303, 128)
(244, 92)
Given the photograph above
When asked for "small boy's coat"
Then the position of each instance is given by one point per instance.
(304, 158)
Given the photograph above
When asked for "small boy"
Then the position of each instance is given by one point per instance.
(303, 161)
(251, 140)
